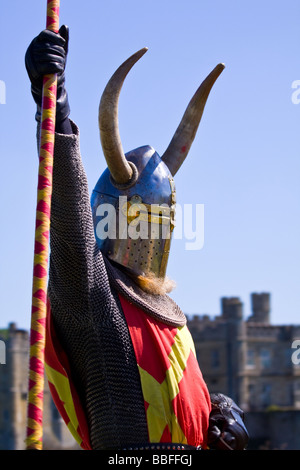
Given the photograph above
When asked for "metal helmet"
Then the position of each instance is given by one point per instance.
(133, 202)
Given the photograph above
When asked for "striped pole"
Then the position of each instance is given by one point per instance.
(34, 438)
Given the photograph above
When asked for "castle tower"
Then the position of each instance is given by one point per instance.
(13, 389)
(260, 308)
(232, 313)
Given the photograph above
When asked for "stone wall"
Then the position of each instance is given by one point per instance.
(274, 430)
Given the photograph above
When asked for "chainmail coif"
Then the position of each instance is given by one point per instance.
(87, 314)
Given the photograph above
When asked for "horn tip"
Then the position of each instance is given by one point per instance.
(221, 66)
(144, 50)
(216, 72)
(135, 57)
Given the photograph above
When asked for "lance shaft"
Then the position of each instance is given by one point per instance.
(34, 435)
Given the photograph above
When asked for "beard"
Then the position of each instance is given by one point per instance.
(150, 283)
(155, 285)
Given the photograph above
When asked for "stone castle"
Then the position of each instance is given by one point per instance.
(249, 360)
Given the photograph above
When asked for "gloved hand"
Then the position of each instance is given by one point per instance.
(227, 430)
(47, 54)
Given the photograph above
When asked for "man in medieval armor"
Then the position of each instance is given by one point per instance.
(120, 360)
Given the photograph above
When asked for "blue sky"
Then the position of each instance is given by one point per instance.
(243, 166)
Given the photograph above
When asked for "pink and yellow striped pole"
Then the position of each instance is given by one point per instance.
(34, 438)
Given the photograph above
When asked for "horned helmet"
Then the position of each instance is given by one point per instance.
(133, 202)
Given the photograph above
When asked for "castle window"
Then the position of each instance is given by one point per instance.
(266, 395)
(250, 358)
(265, 358)
(54, 412)
(296, 394)
(215, 359)
(252, 395)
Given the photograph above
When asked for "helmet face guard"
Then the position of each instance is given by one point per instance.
(133, 202)
(134, 224)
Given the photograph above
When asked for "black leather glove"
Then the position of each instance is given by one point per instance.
(227, 430)
(47, 54)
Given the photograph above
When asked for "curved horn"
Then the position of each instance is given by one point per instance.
(119, 167)
(183, 138)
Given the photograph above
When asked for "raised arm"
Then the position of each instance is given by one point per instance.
(71, 234)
